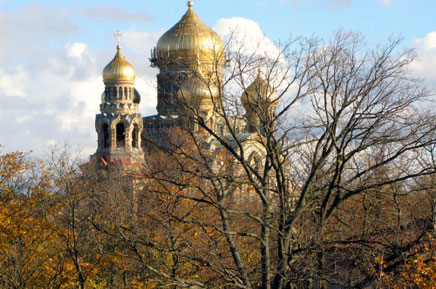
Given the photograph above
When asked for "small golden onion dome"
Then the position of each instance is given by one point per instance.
(136, 97)
(259, 95)
(188, 38)
(197, 91)
(118, 69)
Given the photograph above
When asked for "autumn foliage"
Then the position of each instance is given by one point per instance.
(65, 228)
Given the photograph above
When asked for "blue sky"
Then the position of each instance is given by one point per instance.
(52, 52)
(376, 19)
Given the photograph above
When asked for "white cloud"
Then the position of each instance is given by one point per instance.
(425, 63)
(50, 102)
(76, 50)
(32, 28)
(139, 45)
(56, 93)
(428, 43)
(245, 39)
(50, 85)
(12, 85)
(246, 36)
(141, 41)
(59, 101)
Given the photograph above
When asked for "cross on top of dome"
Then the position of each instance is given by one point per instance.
(117, 36)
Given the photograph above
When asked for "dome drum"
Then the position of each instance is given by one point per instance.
(124, 80)
(119, 93)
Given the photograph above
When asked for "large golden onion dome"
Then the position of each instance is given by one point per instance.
(189, 39)
(259, 95)
(118, 69)
(196, 91)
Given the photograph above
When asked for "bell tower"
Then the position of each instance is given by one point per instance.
(119, 125)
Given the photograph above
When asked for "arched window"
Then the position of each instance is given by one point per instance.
(135, 136)
(105, 132)
(255, 161)
(114, 91)
(121, 92)
(121, 135)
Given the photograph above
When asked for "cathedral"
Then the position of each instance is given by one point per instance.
(190, 57)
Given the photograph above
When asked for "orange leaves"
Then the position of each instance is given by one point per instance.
(421, 272)
(27, 246)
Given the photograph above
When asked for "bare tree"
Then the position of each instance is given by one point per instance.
(315, 193)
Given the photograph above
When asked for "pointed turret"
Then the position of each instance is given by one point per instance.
(259, 98)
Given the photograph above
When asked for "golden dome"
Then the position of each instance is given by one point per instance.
(259, 94)
(197, 91)
(190, 38)
(118, 69)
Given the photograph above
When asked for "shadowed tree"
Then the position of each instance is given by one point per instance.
(310, 188)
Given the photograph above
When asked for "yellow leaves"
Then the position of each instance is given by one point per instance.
(141, 285)
(27, 245)
(422, 271)
(419, 272)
